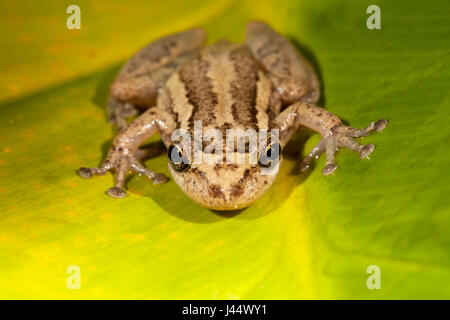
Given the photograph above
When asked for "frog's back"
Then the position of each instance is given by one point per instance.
(223, 87)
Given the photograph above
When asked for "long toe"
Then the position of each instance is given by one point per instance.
(366, 150)
(329, 169)
(159, 178)
(116, 192)
(84, 173)
(380, 125)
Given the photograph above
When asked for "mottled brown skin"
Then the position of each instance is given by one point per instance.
(262, 84)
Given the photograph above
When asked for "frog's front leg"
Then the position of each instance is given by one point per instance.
(334, 133)
(122, 155)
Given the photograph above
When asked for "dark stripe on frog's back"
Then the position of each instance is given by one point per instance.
(244, 89)
(199, 90)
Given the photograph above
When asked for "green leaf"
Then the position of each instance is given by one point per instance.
(309, 237)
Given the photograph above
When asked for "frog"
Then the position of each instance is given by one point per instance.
(264, 83)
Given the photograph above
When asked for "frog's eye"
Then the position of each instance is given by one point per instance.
(178, 157)
(270, 154)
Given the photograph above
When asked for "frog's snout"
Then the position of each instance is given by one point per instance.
(223, 187)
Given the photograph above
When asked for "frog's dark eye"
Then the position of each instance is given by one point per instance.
(178, 157)
(270, 154)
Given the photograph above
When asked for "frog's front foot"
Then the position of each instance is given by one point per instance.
(342, 136)
(121, 162)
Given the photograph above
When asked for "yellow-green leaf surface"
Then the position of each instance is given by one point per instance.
(309, 237)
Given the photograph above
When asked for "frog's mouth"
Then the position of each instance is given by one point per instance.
(233, 188)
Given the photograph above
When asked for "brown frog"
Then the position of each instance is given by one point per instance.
(263, 84)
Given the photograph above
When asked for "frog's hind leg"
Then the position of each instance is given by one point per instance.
(334, 133)
(118, 112)
(139, 80)
(293, 76)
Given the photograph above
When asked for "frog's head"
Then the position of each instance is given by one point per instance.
(219, 185)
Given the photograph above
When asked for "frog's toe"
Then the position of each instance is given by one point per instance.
(116, 192)
(380, 125)
(315, 152)
(84, 173)
(329, 169)
(87, 173)
(366, 150)
(159, 178)
(358, 133)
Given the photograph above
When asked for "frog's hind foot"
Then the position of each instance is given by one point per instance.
(118, 112)
(121, 164)
(342, 136)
